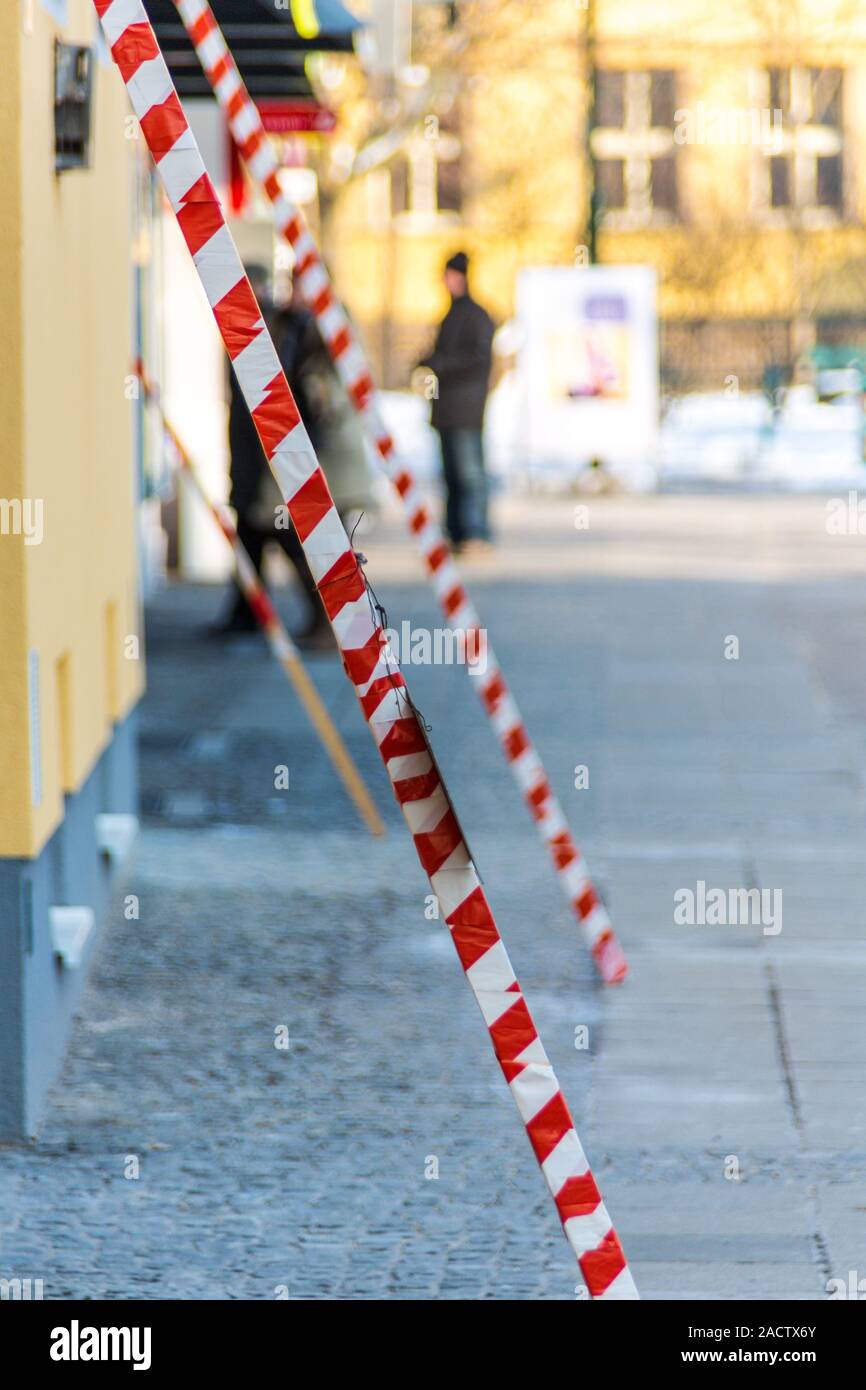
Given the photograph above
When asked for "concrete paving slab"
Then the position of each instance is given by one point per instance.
(257, 911)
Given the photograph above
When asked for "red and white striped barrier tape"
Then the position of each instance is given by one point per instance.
(526, 765)
(379, 685)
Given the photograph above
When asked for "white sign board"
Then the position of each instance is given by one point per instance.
(588, 369)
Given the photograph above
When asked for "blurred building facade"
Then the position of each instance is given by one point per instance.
(725, 144)
(72, 667)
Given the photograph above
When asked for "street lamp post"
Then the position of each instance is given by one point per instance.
(593, 206)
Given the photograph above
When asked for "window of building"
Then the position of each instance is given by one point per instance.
(610, 98)
(803, 173)
(399, 185)
(426, 176)
(828, 181)
(825, 90)
(663, 102)
(634, 148)
(611, 183)
(780, 183)
(663, 183)
(449, 171)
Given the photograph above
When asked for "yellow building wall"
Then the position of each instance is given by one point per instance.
(65, 292)
(14, 788)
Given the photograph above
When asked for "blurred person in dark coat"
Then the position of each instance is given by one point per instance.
(461, 360)
(336, 436)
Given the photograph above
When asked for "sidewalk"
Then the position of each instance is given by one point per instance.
(262, 1169)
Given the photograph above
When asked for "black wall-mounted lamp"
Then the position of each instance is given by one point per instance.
(73, 92)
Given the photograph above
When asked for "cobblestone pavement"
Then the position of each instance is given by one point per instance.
(721, 1097)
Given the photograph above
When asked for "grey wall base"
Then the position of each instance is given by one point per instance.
(38, 993)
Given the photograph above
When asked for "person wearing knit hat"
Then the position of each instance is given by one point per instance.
(460, 361)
